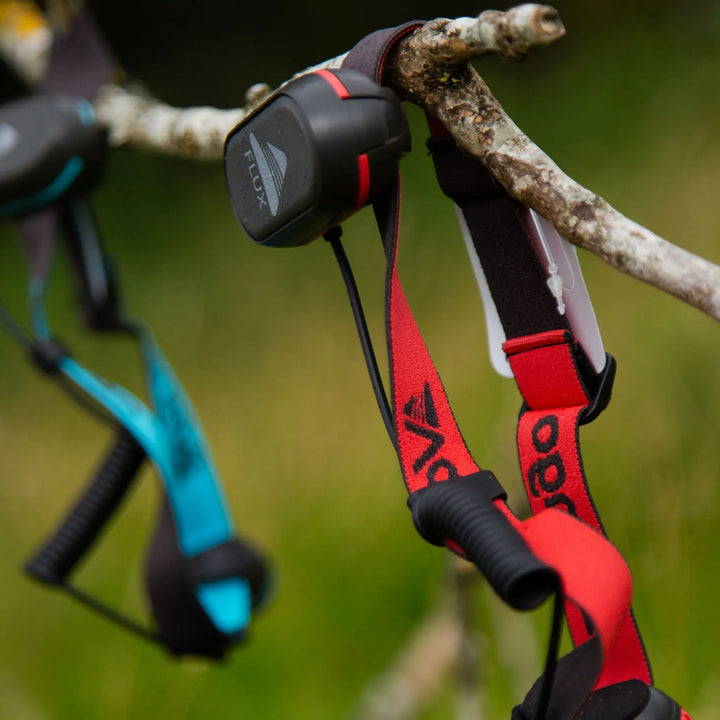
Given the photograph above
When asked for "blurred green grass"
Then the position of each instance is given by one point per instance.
(264, 344)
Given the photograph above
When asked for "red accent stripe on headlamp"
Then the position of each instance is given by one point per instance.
(340, 90)
(363, 181)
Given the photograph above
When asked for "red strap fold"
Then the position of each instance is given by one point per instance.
(581, 557)
(548, 444)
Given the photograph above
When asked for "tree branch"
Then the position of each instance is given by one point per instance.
(199, 133)
(441, 644)
(470, 701)
(137, 120)
(416, 674)
(511, 35)
(430, 68)
(459, 98)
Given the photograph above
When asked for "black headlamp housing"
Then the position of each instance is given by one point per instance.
(319, 149)
(51, 148)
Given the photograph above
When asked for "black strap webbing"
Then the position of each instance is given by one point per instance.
(513, 272)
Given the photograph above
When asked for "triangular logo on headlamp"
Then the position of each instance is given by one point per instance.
(272, 164)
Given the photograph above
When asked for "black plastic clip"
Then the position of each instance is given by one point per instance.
(482, 486)
(600, 391)
(46, 354)
(659, 707)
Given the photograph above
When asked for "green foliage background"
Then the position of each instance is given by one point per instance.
(264, 343)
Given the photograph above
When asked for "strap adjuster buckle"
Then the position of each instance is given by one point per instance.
(601, 390)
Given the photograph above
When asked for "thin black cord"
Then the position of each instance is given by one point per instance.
(26, 342)
(14, 330)
(550, 659)
(333, 237)
(84, 401)
(109, 614)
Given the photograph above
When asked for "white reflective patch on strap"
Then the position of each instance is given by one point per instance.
(495, 333)
(565, 280)
(560, 260)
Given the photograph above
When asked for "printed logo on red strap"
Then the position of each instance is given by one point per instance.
(420, 418)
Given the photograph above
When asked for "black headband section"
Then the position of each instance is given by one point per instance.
(368, 56)
(509, 263)
(81, 61)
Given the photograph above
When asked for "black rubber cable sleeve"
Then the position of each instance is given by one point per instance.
(461, 511)
(84, 523)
